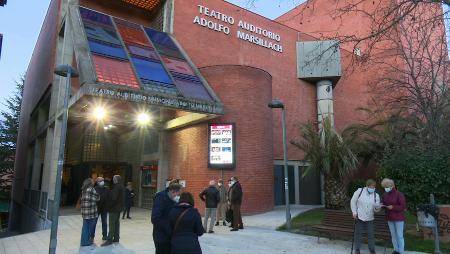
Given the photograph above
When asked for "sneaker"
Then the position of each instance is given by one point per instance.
(107, 243)
(217, 223)
(129, 218)
(104, 238)
(123, 218)
(234, 229)
(241, 227)
(224, 223)
(211, 232)
(395, 252)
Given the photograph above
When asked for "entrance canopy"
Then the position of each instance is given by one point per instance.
(121, 60)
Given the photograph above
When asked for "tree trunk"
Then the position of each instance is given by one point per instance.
(335, 193)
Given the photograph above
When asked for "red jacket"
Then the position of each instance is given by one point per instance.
(397, 200)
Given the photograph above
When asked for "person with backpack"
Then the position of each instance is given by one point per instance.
(186, 225)
(364, 203)
(211, 197)
(394, 203)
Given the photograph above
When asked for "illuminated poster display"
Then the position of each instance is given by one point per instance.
(222, 145)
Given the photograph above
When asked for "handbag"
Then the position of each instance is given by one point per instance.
(229, 215)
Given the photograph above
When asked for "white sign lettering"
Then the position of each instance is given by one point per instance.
(212, 19)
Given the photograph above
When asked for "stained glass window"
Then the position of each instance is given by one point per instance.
(114, 71)
(151, 70)
(107, 49)
(177, 65)
(101, 33)
(145, 52)
(96, 17)
(132, 33)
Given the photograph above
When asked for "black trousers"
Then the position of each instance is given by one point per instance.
(162, 248)
(126, 209)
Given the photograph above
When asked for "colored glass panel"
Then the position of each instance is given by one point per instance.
(177, 65)
(94, 16)
(169, 51)
(101, 33)
(114, 71)
(107, 49)
(151, 70)
(132, 33)
(191, 89)
(160, 38)
(142, 51)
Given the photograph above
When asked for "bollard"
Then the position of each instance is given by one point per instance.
(435, 229)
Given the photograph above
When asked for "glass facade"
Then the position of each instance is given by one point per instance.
(134, 56)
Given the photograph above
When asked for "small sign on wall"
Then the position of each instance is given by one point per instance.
(221, 145)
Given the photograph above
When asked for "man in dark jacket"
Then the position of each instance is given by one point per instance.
(211, 197)
(129, 195)
(163, 202)
(101, 205)
(235, 199)
(115, 206)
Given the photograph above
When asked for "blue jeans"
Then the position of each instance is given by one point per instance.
(398, 242)
(104, 217)
(86, 231)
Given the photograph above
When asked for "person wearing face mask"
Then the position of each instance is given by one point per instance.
(115, 206)
(101, 205)
(222, 206)
(211, 197)
(235, 200)
(163, 202)
(394, 203)
(364, 203)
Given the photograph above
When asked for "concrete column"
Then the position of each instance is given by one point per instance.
(163, 163)
(325, 101)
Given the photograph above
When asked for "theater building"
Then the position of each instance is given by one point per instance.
(173, 89)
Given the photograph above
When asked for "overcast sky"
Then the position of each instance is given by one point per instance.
(21, 20)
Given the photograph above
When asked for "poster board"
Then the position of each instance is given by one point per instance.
(222, 145)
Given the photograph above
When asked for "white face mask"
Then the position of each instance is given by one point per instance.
(219, 184)
(102, 183)
(230, 184)
(176, 198)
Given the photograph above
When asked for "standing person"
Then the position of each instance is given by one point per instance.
(129, 195)
(88, 204)
(235, 200)
(364, 203)
(115, 206)
(186, 225)
(101, 205)
(394, 203)
(211, 197)
(163, 202)
(222, 206)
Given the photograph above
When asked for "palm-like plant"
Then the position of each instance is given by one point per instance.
(330, 154)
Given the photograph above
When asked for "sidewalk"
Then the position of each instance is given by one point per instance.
(258, 237)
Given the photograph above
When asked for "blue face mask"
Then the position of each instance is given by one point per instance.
(371, 190)
(387, 189)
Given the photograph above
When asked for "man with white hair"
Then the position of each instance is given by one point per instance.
(211, 197)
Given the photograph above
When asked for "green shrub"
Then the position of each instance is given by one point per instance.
(418, 173)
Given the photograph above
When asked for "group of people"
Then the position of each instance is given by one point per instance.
(218, 199)
(365, 202)
(97, 200)
(177, 224)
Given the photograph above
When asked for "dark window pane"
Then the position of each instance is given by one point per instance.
(160, 38)
(151, 70)
(107, 49)
(177, 65)
(191, 89)
(169, 51)
(142, 51)
(101, 33)
(96, 17)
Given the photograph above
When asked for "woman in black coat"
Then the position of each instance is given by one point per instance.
(189, 227)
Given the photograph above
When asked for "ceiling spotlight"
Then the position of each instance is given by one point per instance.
(99, 113)
(143, 118)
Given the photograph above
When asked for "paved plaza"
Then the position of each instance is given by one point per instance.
(258, 237)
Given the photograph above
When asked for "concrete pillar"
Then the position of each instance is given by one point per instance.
(325, 101)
